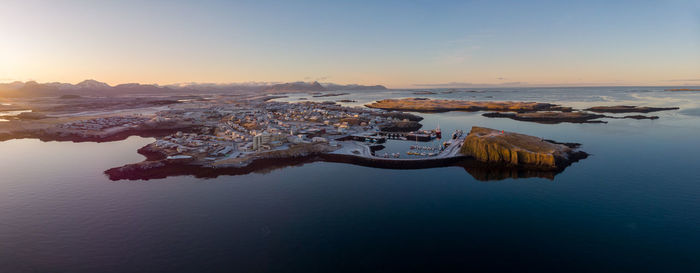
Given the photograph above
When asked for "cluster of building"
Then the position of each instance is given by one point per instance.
(194, 144)
(105, 123)
(232, 130)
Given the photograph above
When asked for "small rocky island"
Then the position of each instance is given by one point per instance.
(683, 89)
(330, 95)
(493, 146)
(617, 109)
(539, 112)
(549, 117)
(430, 105)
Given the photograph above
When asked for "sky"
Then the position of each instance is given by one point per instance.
(400, 44)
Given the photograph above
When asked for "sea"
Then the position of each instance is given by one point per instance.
(632, 206)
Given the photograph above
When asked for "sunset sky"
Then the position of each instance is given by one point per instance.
(401, 44)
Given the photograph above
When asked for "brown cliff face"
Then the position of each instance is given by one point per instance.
(489, 145)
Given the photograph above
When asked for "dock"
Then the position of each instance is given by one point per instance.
(369, 138)
(408, 136)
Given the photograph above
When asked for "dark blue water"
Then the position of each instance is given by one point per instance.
(633, 206)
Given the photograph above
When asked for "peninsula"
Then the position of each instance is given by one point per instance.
(483, 152)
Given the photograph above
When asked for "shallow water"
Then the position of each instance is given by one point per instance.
(11, 113)
(632, 206)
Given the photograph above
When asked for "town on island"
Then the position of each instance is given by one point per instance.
(225, 133)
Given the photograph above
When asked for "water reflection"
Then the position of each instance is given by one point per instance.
(478, 170)
(489, 172)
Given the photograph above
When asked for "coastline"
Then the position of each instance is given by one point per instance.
(220, 135)
(159, 165)
(48, 135)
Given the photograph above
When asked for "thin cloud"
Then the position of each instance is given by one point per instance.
(448, 84)
(684, 80)
(461, 50)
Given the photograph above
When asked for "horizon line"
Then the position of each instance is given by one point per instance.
(412, 86)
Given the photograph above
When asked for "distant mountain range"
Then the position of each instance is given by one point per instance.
(317, 87)
(295, 86)
(86, 88)
(96, 88)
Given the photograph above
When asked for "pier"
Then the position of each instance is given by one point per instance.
(408, 136)
(364, 138)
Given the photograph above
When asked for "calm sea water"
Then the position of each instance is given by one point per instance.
(633, 206)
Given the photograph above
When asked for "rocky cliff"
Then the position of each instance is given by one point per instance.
(494, 146)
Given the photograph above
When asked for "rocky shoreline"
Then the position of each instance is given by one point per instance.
(162, 168)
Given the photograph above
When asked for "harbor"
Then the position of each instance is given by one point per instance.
(416, 156)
